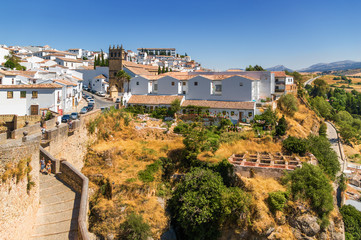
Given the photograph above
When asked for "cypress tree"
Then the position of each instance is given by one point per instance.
(159, 71)
(167, 69)
(163, 69)
(102, 63)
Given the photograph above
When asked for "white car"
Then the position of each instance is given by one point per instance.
(91, 101)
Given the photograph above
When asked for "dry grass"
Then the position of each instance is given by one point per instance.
(262, 219)
(130, 151)
(303, 123)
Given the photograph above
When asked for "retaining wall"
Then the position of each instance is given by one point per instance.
(18, 206)
(260, 171)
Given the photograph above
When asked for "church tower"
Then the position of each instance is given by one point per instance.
(116, 57)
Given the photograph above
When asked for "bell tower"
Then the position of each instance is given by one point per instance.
(116, 57)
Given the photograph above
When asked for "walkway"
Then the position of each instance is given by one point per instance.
(58, 211)
(333, 138)
(310, 81)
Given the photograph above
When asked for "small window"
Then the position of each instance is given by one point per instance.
(12, 81)
(115, 74)
(232, 113)
(10, 94)
(240, 84)
(218, 88)
(23, 94)
(184, 92)
(137, 83)
(184, 83)
(172, 83)
(195, 83)
(250, 114)
(34, 94)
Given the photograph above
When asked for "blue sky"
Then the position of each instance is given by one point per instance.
(219, 34)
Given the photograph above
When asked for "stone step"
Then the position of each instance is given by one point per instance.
(56, 188)
(55, 228)
(72, 235)
(59, 207)
(49, 183)
(57, 217)
(59, 197)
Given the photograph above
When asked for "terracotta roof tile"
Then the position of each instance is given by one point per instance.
(65, 82)
(101, 76)
(153, 100)
(31, 86)
(219, 104)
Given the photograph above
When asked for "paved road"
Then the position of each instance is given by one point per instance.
(100, 101)
(332, 137)
(310, 80)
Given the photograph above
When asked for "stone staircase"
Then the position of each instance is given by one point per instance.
(57, 216)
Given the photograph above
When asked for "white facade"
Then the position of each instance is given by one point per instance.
(89, 75)
(3, 52)
(20, 100)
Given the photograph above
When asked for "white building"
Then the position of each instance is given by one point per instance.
(284, 83)
(3, 52)
(90, 74)
(100, 83)
(68, 100)
(70, 63)
(30, 99)
(229, 94)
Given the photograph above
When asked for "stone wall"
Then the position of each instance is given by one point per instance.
(3, 137)
(18, 207)
(71, 146)
(32, 129)
(260, 171)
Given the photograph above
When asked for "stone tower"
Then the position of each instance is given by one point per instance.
(116, 57)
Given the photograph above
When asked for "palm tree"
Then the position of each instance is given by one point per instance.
(122, 75)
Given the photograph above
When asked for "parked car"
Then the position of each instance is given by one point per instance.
(90, 106)
(91, 101)
(118, 100)
(101, 94)
(65, 118)
(74, 115)
(86, 88)
(93, 91)
(84, 110)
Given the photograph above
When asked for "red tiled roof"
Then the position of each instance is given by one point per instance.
(31, 86)
(219, 104)
(279, 74)
(153, 100)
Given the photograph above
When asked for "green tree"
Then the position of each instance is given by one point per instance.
(352, 220)
(175, 106)
(320, 88)
(201, 203)
(323, 130)
(288, 104)
(277, 200)
(159, 70)
(102, 59)
(135, 227)
(255, 68)
(327, 158)
(310, 183)
(163, 69)
(295, 145)
(268, 116)
(125, 77)
(281, 127)
(322, 106)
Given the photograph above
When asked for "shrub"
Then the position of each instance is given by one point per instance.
(327, 158)
(322, 106)
(310, 183)
(288, 104)
(295, 145)
(201, 203)
(323, 130)
(352, 220)
(134, 227)
(277, 200)
(281, 127)
(147, 175)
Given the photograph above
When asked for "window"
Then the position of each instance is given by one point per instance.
(137, 83)
(184, 92)
(12, 81)
(240, 84)
(111, 54)
(232, 113)
(10, 94)
(155, 87)
(218, 88)
(23, 94)
(250, 114)
(1, 81)
(115, 74)
(34, 94)
(195, 83)
(224, 113)
(172, 83)
(184, 83)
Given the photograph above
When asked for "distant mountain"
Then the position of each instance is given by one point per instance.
(334, 66)
(279, 68)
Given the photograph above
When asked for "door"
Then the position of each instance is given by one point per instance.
(34, 110)
(240, 116)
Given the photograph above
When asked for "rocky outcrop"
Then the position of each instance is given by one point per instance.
(306, 224)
